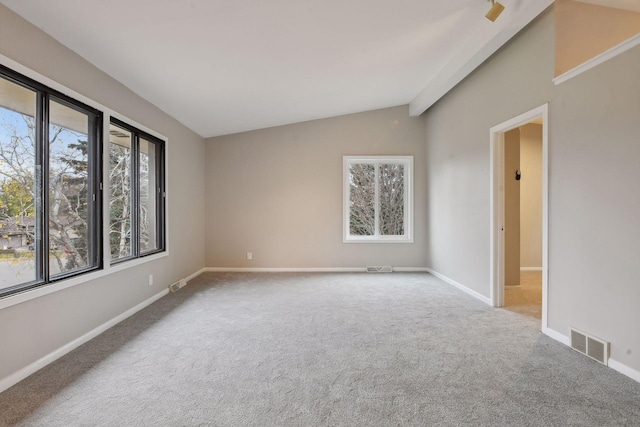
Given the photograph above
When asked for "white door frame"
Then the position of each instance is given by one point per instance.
(497, 205)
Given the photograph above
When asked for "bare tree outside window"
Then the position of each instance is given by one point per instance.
(52, 185)
(69, 196)
(391, 185)
(362, 217)
(21, 194)
(135, 192)
(17, 184)
(148, 188)
(377, 198)
(120, 200)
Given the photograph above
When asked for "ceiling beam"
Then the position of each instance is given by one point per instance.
(474, 53)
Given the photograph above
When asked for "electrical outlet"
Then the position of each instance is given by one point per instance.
(249, 256)
(151, 280)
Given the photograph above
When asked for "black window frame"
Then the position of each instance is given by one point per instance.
(44, 95)
(160, 173)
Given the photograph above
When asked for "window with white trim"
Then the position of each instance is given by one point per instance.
(378, 199)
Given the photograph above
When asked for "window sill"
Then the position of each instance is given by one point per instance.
(43, 290)
(378, 240)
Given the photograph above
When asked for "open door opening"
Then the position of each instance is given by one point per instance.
(519, 220)
(523, 219)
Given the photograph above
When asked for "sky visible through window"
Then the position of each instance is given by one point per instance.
(19, 201)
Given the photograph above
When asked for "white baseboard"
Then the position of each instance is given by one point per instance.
(23, 373)
(305, 269)
(411, 269)
(284, 270)
(194, 275)
(530, 268)
(624, 369)
(612, 363)
(460, 286)
(556, 336)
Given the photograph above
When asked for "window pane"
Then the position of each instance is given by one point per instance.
(120, 193)
(69, 197)
(391, 197)
(17, 184)
(362, 199)
(148, 194)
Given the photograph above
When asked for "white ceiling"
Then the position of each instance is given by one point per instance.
(227, 66)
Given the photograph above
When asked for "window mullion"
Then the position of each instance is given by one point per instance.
(376, 198)
(407, 200)
(160, 199)
(42, 186)
(135, 195)
(95, 178)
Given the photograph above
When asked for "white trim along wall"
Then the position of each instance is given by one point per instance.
(23, 373)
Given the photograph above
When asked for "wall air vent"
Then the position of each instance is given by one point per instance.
(379, 269)
(590, 346)
(177, 285)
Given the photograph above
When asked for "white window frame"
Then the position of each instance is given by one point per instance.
(407, 162)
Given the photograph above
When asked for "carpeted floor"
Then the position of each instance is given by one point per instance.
(400, 349)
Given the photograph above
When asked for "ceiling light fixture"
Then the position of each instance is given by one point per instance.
(495, 11)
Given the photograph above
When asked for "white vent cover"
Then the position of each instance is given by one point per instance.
(179, 284)
(589, 345)
(379, 269)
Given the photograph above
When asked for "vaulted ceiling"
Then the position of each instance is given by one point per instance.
(227, 66)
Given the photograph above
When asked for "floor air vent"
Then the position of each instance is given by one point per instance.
(591, 346)
(379, 269)
(175, 286)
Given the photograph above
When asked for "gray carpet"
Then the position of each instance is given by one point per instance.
(323, 350)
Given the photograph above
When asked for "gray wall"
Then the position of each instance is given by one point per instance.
(35, 328)
(594, 202)
(278, 192)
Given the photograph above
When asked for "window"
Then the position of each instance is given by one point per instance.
(136, 192)
(378, 199)
(52, 222)
(50, 171)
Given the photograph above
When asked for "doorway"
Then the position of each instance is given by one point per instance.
(523, 219)
(502, 267)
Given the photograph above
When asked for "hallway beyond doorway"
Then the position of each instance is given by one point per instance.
(525, 299)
